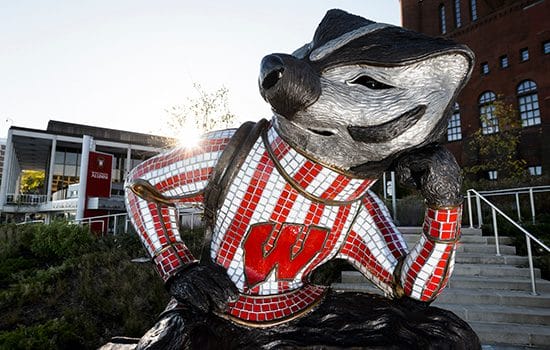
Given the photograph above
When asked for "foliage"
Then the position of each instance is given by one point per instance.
(205, 112)
(541, 230)
(64, 288)
(59, 241)
(32, 181)
(498, 151)
(193, 240)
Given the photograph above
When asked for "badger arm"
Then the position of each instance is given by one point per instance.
(203, 285)
(424, 272)
(434, 172)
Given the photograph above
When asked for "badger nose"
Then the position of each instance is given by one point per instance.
(288, 84)
(271, 71)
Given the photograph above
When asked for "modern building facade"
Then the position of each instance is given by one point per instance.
(511, 41)
(61, 152)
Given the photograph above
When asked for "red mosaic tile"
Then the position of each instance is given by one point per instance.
(258, 309)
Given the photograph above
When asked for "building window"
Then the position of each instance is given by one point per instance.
(66, 169)
(454, 131)
(442, 21)
(524, 55)
(473, 10)
(535, 170)
(489, 121)
(458, 18)
(504, 62)
(485, 68)
(546, 47)
(492, 175)
(528, 103)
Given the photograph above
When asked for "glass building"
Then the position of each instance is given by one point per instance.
(56, 154)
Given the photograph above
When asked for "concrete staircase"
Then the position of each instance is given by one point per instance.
(492, 293)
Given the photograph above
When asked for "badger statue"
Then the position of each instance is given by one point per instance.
(285, 196)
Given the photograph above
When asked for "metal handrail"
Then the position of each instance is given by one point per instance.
(26, 198)
(516, 192)
(528, 236)
(520, 190)
(30, 222)
(94, 219)
(116, 217)
(90, 222)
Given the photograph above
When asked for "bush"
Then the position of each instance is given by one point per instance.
(53, 334)
(541, 230)
(64, 288)
(60, 240)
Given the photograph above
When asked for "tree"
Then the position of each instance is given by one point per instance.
(499, 150)
(205, 112)
(32, 181)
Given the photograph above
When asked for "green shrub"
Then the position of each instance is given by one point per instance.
(541, 230)
(60, 240)
(64, 288)
(53, 334)
(15, 240)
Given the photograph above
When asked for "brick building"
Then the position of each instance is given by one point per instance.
(511, 40)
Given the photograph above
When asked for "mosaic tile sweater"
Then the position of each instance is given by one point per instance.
(283, 216)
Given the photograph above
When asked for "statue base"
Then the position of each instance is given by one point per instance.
(343, 320)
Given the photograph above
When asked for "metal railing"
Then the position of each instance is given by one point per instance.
(516, 192)
(187, 219)
(105, 219)
(495, 210)
(26, 199)
(30, 222)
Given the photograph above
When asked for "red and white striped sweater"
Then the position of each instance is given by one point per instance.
(283, 216)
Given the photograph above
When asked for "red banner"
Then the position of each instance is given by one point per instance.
(99, 175)
(98, 184)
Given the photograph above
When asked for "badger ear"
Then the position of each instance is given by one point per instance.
(336, 23)
(302, 51)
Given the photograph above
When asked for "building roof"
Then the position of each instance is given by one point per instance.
(33, 146)
(135, 138)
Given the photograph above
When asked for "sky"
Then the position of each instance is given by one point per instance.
(122, 63)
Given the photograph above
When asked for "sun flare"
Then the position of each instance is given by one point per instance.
(188, 137)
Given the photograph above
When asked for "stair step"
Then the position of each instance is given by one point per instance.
(494, 270)
(479, 258)
(503, 240)
(463, 269)
(356, 280)
(485, 248)
(512, 333)
(505, 288)
(499, 313)
(411, 239)
(498, 283)
(493, 297)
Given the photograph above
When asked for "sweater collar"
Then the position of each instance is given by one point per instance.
(308, 176)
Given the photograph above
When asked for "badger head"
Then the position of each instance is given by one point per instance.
(363, 93)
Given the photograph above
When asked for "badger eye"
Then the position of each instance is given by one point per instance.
(370, 83)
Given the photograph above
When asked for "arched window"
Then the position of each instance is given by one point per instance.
(473, 10)
(528, 103)
(454, 131)
(489, 121)
(442, 21)
(458, 17)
